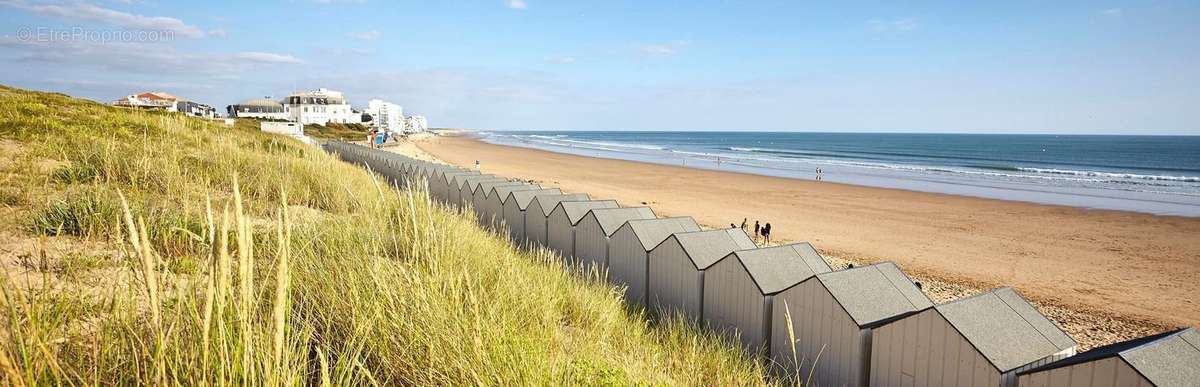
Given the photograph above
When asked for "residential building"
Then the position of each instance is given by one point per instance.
(157, 100)
(263, 108)
(386, 116)
(415, 124)
(195, 109)
(153, 100)
(320, 106)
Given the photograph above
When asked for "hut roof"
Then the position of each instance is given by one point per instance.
(502, 192)
(777, 268)
(1167, 359)
(651, 232)
(523, 198)
(473, 181)
(1005, 328)
(486, 186)
(707, 247)
(450, 176)
(611, 219)
(550, 202)
(462, 179)
(575, 210)
(874, 293)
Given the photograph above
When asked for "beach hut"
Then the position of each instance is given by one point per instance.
(431, 173)
(677, 265)
(459, 185)
(560, 225)
(436, 175)
(441, 186)
(514, 210)
(471, 184)
(447, 184)
(1166, 359)
(832, 315)
(982, 340)
(593, 230)
(386, 167)
(539, 210)
(416, 175)
(629, 248)
(494, 204)
(739, 289)
(480, 198)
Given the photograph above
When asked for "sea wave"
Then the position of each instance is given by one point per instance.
(560, 143)
(988, 169)
(1113, 175)
(785, 159)
(564, 138)
(618, 144)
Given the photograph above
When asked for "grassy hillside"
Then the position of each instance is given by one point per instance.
(150, 248)
(336, 131)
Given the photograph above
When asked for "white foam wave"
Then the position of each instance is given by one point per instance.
(618, 144)
(1113, 175)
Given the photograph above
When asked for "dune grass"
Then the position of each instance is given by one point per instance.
(223, 255)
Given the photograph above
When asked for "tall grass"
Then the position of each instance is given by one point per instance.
(306, 271)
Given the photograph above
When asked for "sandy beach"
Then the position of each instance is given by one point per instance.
(1103, 275)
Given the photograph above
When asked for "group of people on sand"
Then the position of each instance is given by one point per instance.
(376, 138)
(760, 230)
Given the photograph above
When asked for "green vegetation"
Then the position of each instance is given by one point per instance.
(159, 249)
(336, 131)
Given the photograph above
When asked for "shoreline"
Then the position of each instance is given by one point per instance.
(1105, 275)
(1022, 177)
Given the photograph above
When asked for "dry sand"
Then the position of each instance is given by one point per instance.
(1103, 275)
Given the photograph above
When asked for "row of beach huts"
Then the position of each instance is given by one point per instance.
(866, 325)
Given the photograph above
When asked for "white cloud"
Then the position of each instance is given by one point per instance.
(93, 13)
(903, 24)
(517, 4)
(366, 35)
(266, 58)
(92, 85)
(663, 50)
(1112, 12)
(140, 58)
(218, 32)
(337, 52)
(565, 60)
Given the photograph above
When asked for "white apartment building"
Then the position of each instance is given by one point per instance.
(263, 108)
(415, 124)
(320, 106)
(386, 116)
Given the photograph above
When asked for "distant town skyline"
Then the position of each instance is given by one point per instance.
(930, 67)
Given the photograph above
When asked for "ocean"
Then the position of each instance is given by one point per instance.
(1152, 174)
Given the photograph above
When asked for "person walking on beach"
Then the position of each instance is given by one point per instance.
(756, 228)
(766, 232)
(744, 224)
(371, 139)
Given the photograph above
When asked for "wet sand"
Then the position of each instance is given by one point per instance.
(1103, 275)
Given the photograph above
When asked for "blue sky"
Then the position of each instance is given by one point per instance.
(1010, 67)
